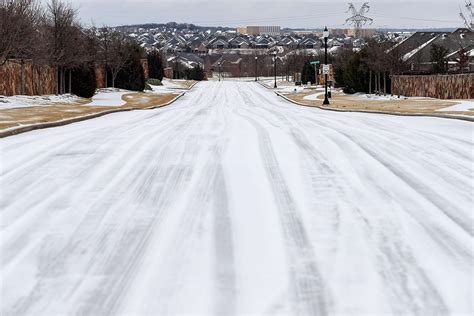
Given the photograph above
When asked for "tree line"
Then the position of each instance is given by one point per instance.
(51, 34)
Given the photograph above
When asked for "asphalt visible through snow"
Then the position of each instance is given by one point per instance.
(232, 201)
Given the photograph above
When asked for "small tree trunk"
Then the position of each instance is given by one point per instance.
(70, 81)
(56, 79)
(375, 82)
(370, 81)
(380, 84)
(22, 75)
(384, 83)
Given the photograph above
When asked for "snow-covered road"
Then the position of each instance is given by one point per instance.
(233, 202)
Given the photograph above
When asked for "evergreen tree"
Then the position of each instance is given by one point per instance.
(438, 57)
(197, 73)
(308, 73)
(155, 65)
(84, 83)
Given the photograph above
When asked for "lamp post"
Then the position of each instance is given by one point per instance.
(275, 67)
(256, 68)
(326, 35)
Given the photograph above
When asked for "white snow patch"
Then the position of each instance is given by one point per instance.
(109, 97)
(313, 97)
(23, 101)
(460, 107)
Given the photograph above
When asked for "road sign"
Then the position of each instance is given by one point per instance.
(325, 69)
(316, 62)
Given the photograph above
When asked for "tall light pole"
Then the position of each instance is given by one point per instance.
(256, 68)
(326, 35)
(275, 67)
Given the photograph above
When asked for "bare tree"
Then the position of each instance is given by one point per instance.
(119, 53)
(62, 37)
(18, 21)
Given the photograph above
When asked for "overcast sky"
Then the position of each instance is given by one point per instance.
(285, 13)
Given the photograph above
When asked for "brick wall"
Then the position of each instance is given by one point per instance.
(436, 86)
(24, 78)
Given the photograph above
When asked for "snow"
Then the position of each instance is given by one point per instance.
(459, 107)
(172, 84)
(416, 50)
(109, 97)
(21, 101)
(314, 97)
(233, 201)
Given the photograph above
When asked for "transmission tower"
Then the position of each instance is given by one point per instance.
(358, 18)
(468, 18)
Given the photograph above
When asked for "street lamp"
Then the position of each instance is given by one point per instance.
(256, 68)
(275, 67)
(326, 70)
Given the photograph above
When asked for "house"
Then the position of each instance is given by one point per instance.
(219, 44)
(416, 50)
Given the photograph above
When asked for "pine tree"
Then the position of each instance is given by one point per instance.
(308, 73)
(438, 57)
(155, 65)
(84, 82)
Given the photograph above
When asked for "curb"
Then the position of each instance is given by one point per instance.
(324, 108)
(29, 128)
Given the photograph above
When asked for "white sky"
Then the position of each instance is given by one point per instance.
(286, 13)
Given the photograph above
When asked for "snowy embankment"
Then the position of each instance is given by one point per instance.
(460, 107)
(235, 202)
(109, 97)
(21, 101)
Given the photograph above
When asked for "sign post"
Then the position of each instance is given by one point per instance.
(316, 64)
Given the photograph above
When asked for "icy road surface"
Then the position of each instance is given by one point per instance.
(233, 202)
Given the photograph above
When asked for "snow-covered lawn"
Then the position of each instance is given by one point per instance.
(233, 201)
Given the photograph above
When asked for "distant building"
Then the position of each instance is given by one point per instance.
(260, 30)
(352, 32)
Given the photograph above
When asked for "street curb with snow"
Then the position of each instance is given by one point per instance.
(325, 108)
(23, 129)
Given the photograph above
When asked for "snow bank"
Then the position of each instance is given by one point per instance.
(23, 101)
(109, 97)
(460, 107)
(313, 97)
(172, 85)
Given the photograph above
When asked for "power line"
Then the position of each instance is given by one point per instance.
(413, 18)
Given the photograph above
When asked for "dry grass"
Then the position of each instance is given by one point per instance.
(10, 118)
(348, 102)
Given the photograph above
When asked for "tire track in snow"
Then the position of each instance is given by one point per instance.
(309, 296)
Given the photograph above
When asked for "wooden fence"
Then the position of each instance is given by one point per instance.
(459, 86)
(22, 77)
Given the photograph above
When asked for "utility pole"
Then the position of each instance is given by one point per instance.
(326, 66)
(358, 18)
(256, 68)
(275, 67)
(219, 71)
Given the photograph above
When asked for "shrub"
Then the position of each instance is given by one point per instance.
(154, 82)
(197, 73)
(84, 82)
